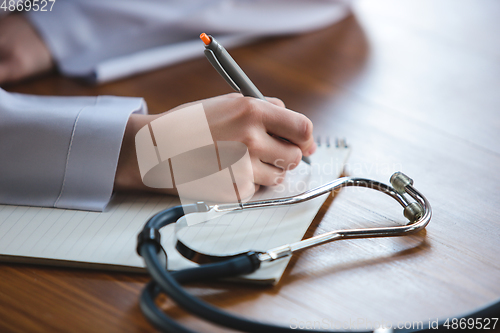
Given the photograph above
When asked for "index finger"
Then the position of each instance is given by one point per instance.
(290, 125)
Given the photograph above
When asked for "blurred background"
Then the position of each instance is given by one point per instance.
(413, 85)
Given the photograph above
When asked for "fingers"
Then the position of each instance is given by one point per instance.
(291, 126)
(276, 137)
(279, 153)
(272, 159)
(266, 174)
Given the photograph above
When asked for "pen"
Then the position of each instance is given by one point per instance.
(225, 65)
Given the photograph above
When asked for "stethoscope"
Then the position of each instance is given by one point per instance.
(416, 209)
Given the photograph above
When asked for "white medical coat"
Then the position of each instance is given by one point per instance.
(106, 40)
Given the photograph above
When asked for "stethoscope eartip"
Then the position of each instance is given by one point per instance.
(413, 212)
(399, 181)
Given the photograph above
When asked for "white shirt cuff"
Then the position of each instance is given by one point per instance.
(93, 152)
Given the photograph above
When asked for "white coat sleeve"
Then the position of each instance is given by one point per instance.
(82, 34)
(61, 151)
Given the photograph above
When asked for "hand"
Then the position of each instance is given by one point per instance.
(22, 51)
(262, 126)
(276, 137)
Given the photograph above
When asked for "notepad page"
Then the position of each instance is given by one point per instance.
(72, 237)
(91, 237)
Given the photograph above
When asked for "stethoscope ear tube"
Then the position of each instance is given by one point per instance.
(156, 316)
(168, 284)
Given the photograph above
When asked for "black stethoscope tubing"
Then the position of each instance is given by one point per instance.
(169, 283)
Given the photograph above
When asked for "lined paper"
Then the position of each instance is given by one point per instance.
(72, 237)
(92, 237)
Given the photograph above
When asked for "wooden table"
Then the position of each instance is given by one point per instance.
(413, 86)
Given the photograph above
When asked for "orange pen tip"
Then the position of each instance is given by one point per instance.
(204, 37)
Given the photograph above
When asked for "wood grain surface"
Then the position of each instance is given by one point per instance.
(414, 86)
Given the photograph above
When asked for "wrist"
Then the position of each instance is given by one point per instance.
(127, 175)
